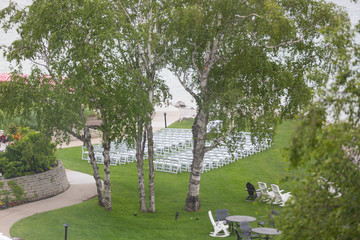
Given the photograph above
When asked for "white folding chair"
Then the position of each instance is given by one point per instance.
(84, 153)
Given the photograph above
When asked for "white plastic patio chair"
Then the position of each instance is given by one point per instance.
(220, 229)
(267, 196)
(280, 198)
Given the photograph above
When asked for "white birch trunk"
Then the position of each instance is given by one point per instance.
(107, 181)
(151, 169)
(140, 169)
(199, 134)
(96, 173)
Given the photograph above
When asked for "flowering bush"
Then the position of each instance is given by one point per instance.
(4, 205)
(32, 153)
(3, 138)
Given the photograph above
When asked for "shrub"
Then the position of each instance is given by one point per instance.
(32, 153)
(28, 121)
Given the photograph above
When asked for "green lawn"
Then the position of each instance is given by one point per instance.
(220, 188)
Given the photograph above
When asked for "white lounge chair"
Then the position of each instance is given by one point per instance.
(267, 196)
(280, 198)
(219, 227)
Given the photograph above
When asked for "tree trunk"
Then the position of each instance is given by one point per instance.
(96, 173)
(192, 203)
(151, 168)
(107, 181)
(140, 168)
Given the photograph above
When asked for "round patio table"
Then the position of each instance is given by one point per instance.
(240, 218)
(266, 231)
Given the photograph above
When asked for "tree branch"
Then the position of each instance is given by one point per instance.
(182, 82)
(250, 15)
(216, 142)
(193, 59)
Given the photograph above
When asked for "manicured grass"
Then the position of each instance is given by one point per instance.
(186, 123)
(220, 188)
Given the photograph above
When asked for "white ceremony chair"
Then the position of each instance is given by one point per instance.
(220, 229)
(267, 196)
(280, 198)
(85, 153)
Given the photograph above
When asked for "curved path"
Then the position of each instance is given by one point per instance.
(82, 188)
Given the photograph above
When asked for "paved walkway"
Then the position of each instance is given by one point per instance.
(82, 188)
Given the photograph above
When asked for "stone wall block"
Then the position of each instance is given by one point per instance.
(41, 185)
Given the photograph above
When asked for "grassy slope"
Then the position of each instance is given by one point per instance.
(220, 188)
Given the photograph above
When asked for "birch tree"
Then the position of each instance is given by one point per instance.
(249, 63)
(72, 44)
(141, 46)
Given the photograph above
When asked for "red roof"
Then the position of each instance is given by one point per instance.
(4, 77)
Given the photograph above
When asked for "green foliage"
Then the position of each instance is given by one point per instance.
(183, 124)
(13, 197)
(327, 142)
(332, 154)
(16, 190)
(89, 113)
(34, 153)
(249, 64)
(26, 121)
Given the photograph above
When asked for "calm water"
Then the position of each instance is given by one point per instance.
(178, 92)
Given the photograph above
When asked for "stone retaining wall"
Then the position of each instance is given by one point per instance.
(39, 186)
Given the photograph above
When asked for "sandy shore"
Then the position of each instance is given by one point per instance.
(171, 112)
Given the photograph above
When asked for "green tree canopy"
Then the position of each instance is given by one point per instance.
(326, 201)
(76, 66)
(249, 62)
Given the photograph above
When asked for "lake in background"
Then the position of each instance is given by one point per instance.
(177, 91)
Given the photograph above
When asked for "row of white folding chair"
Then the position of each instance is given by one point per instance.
(176, 134)
(170, 148)
(219, 158)
(115, 159)
(167, 166)
(176, 164)
(174, 130)
(177, 140)
(185, 161)
(123, 157)
(216, 160)
(174, 138)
